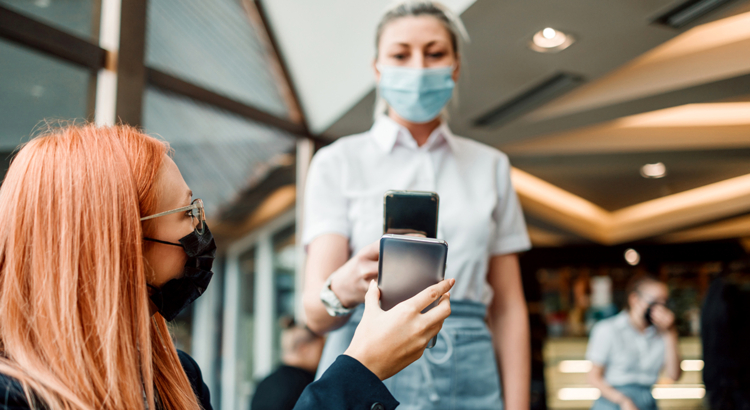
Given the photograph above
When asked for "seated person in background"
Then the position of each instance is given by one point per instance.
(629, 350)
(300, 354)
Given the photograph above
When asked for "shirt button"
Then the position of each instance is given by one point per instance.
(377, 406)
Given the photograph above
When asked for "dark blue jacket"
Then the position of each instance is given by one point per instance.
(346, 385)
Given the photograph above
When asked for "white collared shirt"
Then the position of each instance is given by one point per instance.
(479, 213)
(627, 355)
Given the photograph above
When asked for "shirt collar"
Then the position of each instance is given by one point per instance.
(623, 320)
(387, 133)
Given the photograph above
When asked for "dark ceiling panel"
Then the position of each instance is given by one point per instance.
(613, 181)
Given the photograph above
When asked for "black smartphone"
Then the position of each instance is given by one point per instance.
(408, 265)
(411, 212)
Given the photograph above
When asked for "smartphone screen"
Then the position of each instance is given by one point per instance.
(408, 265)
(411, 212)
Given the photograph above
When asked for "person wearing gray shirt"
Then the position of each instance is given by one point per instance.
(629, 350)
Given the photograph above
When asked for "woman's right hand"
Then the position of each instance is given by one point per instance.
(351, 281)
(387, 341)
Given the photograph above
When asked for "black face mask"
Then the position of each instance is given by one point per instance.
(647, 314)
(649, 309)
(177, 294)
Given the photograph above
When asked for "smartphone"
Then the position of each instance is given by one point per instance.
(407, 266)
(411, 212)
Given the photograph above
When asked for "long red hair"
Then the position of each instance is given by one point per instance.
(75, 327)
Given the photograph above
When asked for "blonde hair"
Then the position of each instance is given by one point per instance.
(75, 327)
(415, 8)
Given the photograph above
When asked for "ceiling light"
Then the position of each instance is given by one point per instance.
(578, 393)
(575, 366)
(550, 40)
(691, 365)
(632, 257)
(678, 392)
(654, 171)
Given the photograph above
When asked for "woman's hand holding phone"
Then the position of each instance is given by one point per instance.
(387, 341)
(351, 281)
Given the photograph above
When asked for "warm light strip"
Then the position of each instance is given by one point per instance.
(709, 202)
(729, 228)
(578, 393)
(659, 392)
(678, 393)
(575, 366)
(704, 37)
(559, 206)
(691, 365)
(691, 115)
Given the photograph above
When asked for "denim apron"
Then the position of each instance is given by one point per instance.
(639, 394)
(460, 372)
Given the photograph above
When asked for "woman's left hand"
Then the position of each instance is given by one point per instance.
(663, 318)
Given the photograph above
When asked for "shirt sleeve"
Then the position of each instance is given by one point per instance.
(600, 344)
(347, 385)
(510, 234)
(325, 206)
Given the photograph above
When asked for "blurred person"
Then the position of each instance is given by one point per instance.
(101, 244)
(725, 336)
(629, 350)
(578, 316)
(411, 147)
(300, 355)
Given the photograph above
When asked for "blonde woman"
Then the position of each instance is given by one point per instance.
(101, 244)
(411, 147)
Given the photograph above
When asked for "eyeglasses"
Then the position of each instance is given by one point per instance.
(195, 210)
(650, 300)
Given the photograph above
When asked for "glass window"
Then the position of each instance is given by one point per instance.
(79, 17)
(284, 263)
(245, 334)
(34, 87)
(219, 153)
(213, 44)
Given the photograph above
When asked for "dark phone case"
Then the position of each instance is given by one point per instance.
(411, 212)
(408, 265)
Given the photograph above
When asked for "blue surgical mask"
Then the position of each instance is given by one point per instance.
(416, 94)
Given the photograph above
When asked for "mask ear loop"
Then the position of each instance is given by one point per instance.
(164, 242)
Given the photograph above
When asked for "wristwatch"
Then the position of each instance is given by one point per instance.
(333, 305)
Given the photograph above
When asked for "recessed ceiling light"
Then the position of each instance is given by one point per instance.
(632, 257)
(654, 171)
(550, 40)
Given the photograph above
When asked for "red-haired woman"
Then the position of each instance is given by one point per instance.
(101, 245)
